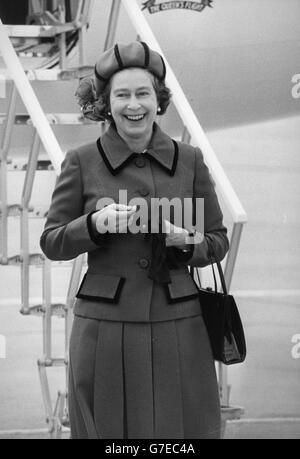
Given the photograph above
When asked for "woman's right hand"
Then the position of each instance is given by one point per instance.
(113, 218)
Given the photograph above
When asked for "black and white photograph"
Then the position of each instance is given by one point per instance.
(149, 222)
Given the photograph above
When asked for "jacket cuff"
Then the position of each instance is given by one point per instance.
(184, 255)
(200, 257)
(96, 237)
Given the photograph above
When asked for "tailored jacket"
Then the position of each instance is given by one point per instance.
(117, 285)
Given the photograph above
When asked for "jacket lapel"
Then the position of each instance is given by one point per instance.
(116, 154)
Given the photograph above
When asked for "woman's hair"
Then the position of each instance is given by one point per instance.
(97, 108)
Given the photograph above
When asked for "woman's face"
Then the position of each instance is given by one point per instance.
(133, 103)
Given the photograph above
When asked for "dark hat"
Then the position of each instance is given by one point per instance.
(136, 54)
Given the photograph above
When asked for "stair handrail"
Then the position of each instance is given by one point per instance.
(30, 100)
(84, 12)
(188, 116)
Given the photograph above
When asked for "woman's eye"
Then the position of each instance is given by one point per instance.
(143, 93)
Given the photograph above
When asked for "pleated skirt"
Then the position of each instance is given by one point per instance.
(142, 380)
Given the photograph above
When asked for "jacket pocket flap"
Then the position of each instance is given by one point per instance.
(182, 288)
(101, 287)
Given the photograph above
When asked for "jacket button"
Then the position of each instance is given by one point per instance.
(140, 162)
(144, 263)
(144, 192)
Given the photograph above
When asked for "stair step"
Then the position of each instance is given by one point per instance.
(231, 412)
(47, 75)
(39, 31)
(14, 210)
(35, 259)
(40, 50)
(53, 119)
(55, 362)
(21, 165)
(57, 310)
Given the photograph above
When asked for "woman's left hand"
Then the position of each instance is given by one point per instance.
(175, 235)
(179, 237)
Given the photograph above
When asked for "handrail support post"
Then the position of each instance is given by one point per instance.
(232, 254)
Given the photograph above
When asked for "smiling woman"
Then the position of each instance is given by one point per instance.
(141, 365)
(96, 105)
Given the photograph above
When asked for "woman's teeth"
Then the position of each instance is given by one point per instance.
(134, 117)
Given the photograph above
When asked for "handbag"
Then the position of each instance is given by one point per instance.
(222, 319)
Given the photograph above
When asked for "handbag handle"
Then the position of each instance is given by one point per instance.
(211, 254)
(213, 259)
